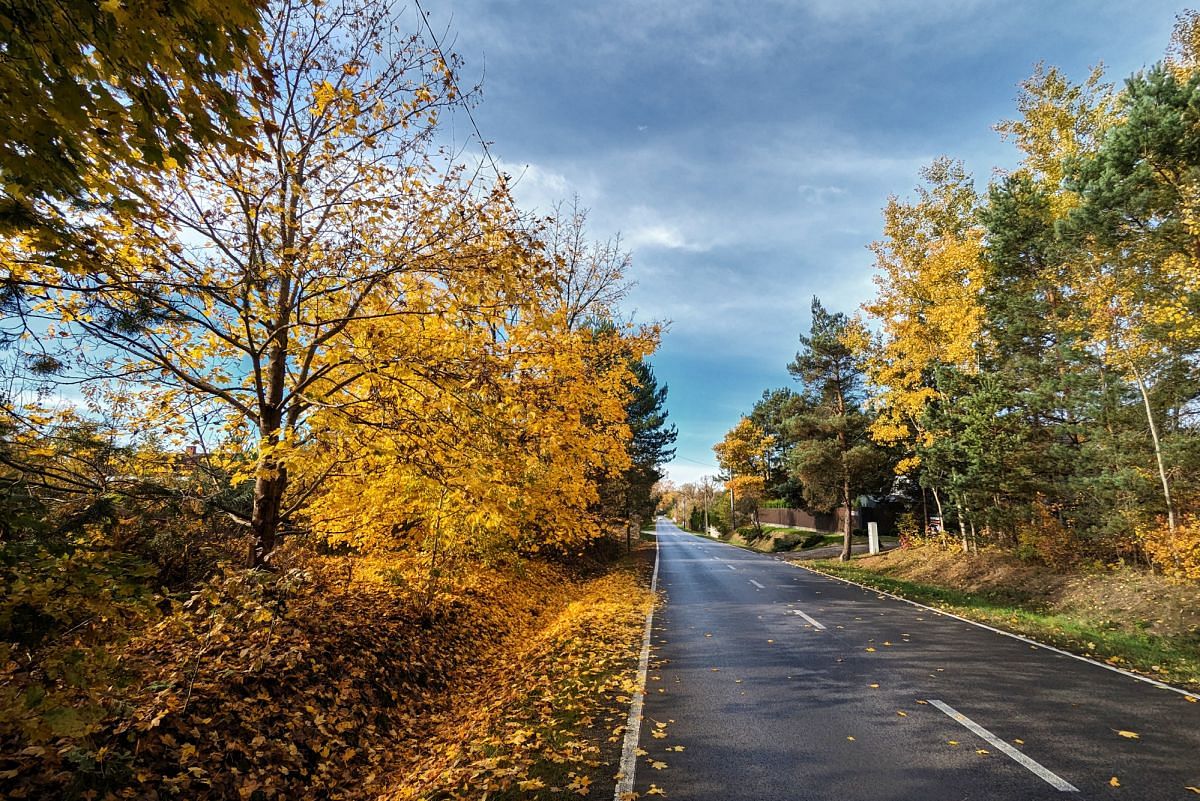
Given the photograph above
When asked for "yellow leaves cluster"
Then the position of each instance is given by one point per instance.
(1059, 121)
(929, 302)
(1176, 554)
(502, 446)
(744, 450)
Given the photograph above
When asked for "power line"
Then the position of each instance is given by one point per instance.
(453, 82)
(693, 461)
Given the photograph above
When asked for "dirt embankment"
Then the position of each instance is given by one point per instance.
(1131, 599)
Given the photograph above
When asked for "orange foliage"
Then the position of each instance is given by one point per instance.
(535, 708)
(1178, 554)
(1047, 538)
(319, 682)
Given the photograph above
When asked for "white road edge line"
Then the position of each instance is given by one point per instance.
(814, 623)
(1022, 638)
(1051, 778)
(756, 584)
(633, 725)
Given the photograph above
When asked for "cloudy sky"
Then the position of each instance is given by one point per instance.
(744, 150)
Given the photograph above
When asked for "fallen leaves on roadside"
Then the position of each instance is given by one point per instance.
(533, 709)
(1114, 782)
(1131, 735)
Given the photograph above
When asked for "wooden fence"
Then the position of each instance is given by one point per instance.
(830, 523)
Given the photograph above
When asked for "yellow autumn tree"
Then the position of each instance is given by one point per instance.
(743, 455)
(928, 305)
(268, 287)
(504, 455)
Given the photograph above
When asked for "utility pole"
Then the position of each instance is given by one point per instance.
(732, 510)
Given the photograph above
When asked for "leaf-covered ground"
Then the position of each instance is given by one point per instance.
(546, 720)
(327, 684)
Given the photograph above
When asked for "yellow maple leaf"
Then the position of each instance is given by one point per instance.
(1132, 735)
(1114, 781)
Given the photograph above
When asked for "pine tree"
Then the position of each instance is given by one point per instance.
(834, 457)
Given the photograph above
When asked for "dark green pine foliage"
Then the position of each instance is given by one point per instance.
(653, 439)
(1136, 191)
(774, 413)
(1138, 211)
(833, 456)
(631, 494)
(1043, 388)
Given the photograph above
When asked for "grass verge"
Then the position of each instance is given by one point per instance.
(1174, 659)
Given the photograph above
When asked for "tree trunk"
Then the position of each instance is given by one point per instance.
(847, 524)
(962, 529)
(937, 499)
(1158, 458)
(268, 498)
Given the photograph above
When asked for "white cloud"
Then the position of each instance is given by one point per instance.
(661, 236)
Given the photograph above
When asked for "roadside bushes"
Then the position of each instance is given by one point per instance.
(1177, 555)
(289, 685)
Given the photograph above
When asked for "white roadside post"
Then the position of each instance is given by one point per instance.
(873, 537)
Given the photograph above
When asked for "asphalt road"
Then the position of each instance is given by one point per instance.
(857, 701)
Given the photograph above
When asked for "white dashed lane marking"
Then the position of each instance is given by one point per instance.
(814, 623)
(1053, 779)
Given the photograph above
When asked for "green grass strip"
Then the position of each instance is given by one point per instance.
(1175, 660)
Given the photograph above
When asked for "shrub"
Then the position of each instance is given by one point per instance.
(1049, 540)
(813, 540)
(788, 541)
(1176, 555)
